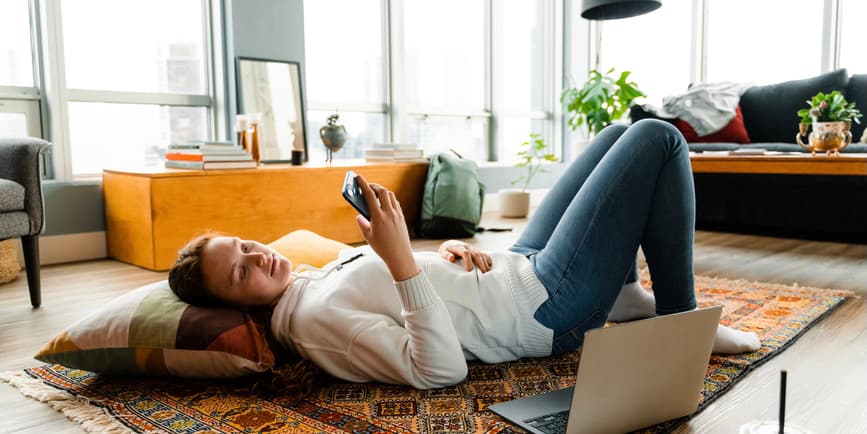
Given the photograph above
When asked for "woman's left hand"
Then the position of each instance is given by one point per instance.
(452, 250)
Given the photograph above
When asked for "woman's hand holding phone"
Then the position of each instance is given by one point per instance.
(386, 232)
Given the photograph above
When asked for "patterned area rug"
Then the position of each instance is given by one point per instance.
(778, 313)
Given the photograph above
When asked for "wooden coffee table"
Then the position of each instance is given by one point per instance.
(784, 164)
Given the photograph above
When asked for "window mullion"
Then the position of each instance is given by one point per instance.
(415, 111)
(829, 35)
(553, 75)
(38, 60)
(214, 59)
(119, 97)
(698, 47)
(35, 39)
(390, 120)
(468, 115)
(529, 114)
(838, 32)
(54, 86)
(493, 72)
(18, 92)
(348, 107)
(397, 70)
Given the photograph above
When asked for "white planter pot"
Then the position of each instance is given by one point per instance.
(514, 203)
(579, 145)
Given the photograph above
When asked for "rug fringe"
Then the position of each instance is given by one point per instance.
(80, 410)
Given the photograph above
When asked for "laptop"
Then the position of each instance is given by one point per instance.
(630, 376)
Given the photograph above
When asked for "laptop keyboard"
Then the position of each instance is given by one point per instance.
(554, 423)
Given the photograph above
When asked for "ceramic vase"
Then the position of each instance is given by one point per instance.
(827, 137)
(333, 137)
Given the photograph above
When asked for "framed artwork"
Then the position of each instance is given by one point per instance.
(272, 88)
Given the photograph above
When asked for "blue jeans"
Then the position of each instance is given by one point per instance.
(631, 187)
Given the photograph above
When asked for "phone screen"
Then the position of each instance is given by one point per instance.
(354, 195)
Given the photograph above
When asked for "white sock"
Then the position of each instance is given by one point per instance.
(731, 341)
(632, 303)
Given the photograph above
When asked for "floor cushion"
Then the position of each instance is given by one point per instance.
(149, 331)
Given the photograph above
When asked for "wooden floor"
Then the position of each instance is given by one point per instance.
(827, 366)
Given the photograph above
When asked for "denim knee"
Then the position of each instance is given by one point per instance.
(616, 128)
(572, 339)
(651, 130)
(656, 125)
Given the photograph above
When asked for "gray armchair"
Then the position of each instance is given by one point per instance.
(21, 210)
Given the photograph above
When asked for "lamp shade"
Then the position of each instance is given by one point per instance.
(614, 9)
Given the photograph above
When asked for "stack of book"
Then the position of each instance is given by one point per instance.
(390, 152)
(208, 155)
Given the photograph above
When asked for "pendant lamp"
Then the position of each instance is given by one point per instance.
(615, 9)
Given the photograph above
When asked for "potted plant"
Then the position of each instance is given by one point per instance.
(831, 117)
(600, 101)
(516, 202)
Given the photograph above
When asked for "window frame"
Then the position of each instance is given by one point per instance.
(28, 100)
(571, 53)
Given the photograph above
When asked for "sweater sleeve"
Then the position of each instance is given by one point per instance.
(425, 353)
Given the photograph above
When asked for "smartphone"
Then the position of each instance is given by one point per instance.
(354, 195)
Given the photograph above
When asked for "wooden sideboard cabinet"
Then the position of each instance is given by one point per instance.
(151, 213)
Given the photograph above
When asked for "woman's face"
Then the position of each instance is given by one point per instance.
(243, 272)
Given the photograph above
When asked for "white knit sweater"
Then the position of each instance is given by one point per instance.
(359, 325)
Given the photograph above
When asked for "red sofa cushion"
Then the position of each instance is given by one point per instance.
(734, 132)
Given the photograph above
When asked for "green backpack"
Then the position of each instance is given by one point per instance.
(453, 197)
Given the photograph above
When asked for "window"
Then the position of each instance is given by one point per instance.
(655, 47)
(444, 46)
(447, 61)
(129, 135)
(16, 63)
(19, 118)
(363, 129)
(438, 133)
(345, 73)
(154, 46)
(523, 65)
(764, 41)
(853, 33)
(445, 75)
(136, 91)
(13, 125)
(19, 96)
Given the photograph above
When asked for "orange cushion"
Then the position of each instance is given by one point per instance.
(306, 247)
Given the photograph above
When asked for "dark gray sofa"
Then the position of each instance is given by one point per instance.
(804, 206)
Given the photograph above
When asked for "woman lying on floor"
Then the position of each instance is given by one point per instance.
(385, 313)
